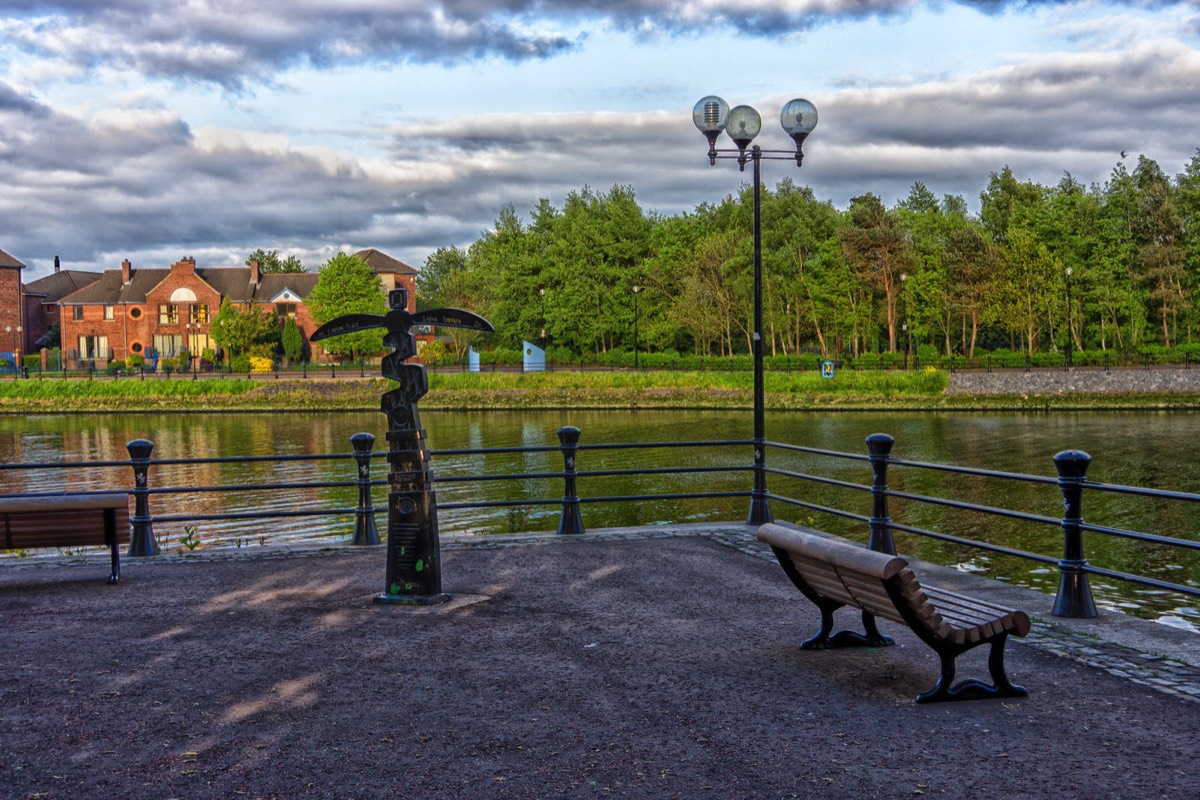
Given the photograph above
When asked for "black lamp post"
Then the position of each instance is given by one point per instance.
(1069, 343)
(636, 290)
(904, 315)
(542, 292)
(712, 115)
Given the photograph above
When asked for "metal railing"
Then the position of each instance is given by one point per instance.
(1074, 595)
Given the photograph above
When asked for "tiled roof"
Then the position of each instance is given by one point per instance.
(301, 283)
(58, 285)
(383, 263)
(231, 282)
(8, 261)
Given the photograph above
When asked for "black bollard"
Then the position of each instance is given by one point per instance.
(141, 539)
(569, 521)
(365, 532)
(1074, 590)
(879, 445)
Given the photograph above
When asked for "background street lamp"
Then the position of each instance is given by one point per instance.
(712, 115)
(1069, 343)
(636, 290)
(542, 292)
(904, 314)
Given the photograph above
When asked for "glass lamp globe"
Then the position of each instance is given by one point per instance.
(744, 124)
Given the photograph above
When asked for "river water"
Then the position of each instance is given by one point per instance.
(1131, 448)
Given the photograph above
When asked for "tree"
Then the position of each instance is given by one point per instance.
(441, 270)
(346, 285)
(292, 340)
(249, 330)
(878, 252)
(269, 261)
(1160, 255)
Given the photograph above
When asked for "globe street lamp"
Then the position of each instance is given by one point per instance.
(542, 292)
(712, 115)
(636, 290)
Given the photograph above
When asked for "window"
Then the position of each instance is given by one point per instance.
(199, 313)
(93, 347)
(168, 344)
(109, 312)
(285, 310)
(136, 347)
(168, 314)
(135, 313)
(76, 313)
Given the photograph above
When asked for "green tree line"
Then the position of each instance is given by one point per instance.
(844, 282)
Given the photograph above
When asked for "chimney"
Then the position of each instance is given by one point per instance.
(126, 271)
(186, 266)
(57, 265)
(255, 275)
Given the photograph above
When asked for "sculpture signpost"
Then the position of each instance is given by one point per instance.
(414, 571)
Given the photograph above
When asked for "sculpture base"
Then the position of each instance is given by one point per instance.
(411, 599)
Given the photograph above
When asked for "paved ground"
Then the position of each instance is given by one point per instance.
(626, 664)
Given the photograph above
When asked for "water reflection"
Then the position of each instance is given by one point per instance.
(1140, 449)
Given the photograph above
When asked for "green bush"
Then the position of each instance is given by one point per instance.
(115, 366)
(240, 363)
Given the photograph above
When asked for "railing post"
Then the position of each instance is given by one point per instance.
(1074, 590)
(879, 445)
(569, 521)
(141, 538)
(365, 532)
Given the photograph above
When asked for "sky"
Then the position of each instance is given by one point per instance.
(158, 129)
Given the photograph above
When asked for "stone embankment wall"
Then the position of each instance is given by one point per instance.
(1127, 380)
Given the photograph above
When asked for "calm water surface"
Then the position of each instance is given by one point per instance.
(1140, 449)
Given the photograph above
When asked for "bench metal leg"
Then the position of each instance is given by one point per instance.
(110, 533)
(971, 689)
(844, 638)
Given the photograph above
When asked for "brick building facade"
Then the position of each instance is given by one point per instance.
(12, 308)
(159, 312)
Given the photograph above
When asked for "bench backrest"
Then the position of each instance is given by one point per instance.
(839, 570)
(61, 521)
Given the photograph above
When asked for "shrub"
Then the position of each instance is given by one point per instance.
(260, 365)
(115, 366)
(135, 360)
(239, 363)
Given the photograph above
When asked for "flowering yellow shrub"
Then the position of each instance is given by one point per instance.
(260, 365)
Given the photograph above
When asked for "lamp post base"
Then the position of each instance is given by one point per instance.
(411, 599)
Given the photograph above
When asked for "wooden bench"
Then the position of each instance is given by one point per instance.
(833, 573)
(67, 521)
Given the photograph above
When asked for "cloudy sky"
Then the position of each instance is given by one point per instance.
(156, 129)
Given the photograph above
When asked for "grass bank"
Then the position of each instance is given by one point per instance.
(865, 390)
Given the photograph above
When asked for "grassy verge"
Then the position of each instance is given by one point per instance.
(865, 390)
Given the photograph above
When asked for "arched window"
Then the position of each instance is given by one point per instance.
(183, 295)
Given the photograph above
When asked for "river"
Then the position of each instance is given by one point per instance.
(1132, 448)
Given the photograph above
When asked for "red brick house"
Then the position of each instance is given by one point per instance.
(167, 310)
(42, 297)
(392, 273)
(12, 308)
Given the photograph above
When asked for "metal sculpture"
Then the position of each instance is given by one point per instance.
(414, 572)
